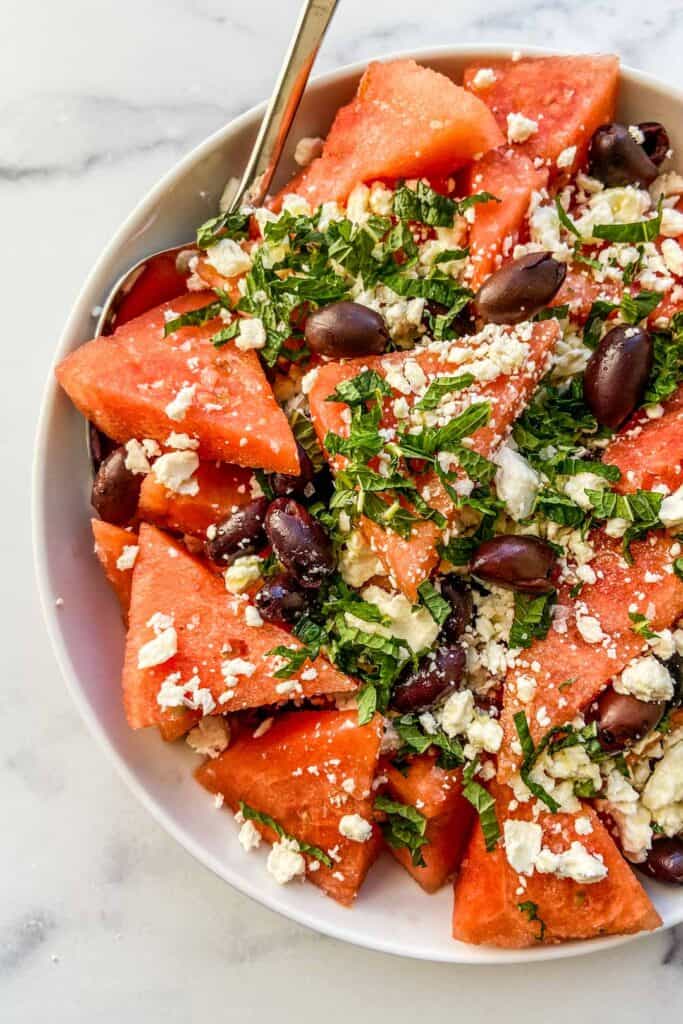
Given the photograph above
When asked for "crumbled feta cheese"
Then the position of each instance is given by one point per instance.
(664, 788)
(589, 628)
(484, 733)
(413, 624)
(522, 841)
(520, 128)
(210, 736)
(358, 563)
(484, 78)
(381, 200)
(308, 149)
(136, 458)
(517, 483)
(576, 487)
(242, 573)
(672, 223)
(356, 828)
(357, 205)
(285, 862)
(575, 863)
(566, 157)
(671, 511)
(252, 334)
(673, 256)
(296, 205)
(457, 713)
(182, 442)
(583, 826)
(159, 649)
(126, 559)
(249, 836)
(178, 406)
(228, 258)
(175, 471)
(647, 679)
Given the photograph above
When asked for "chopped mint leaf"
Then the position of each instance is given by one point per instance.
(360, 389)
(532, 618)
(640, 231)
(404, 828)
(265, 819)
(640, 624)
(438, 608)
(484, 804)
(226, 225)
(565, 219)
(678, 567)
(531, 910)
(635, 308)
(194, 317)
(295, 658)
(226, 334)
(441, 386)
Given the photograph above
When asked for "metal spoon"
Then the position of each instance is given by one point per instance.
(313, 20)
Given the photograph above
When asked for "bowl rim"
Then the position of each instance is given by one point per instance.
(133, 223)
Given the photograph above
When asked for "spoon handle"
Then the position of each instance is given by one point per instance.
(313, 21)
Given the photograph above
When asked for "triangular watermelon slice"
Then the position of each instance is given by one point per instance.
(650, 451)
(110, 542)
(308, 771)
(125, 382)
(221, 488)
(495, 906)
(409, 561)
(497, 227)
(567, 98)
(437, 793)
(212, 633)
(569, 671)
(405, 121)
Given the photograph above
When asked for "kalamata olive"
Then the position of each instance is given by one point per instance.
(519, 563)
(519, 289)
(615, 158)
(116, 490)
(346, 329)
(100, 446)
(623, 719)
(283, 484)
(665, 861)
(617, 374)
(459, 596)
(299, 541)
(281, 600)
(656, 141)
(241, 533)
(438, 672)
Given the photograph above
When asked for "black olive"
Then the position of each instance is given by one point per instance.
(665, 861)
(346, 329)
(519, 289)
(517, 562)
(459, 596)
(615, 158)
(300, 542)
(656, 141)
(617, 373)
(439, 672)
(116, 490)
(241, 533)
(283, 483)
(622, 718)
(281, 600)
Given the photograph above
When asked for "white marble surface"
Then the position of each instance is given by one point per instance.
(102, 917)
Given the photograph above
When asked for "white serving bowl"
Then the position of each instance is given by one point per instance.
(392, 913)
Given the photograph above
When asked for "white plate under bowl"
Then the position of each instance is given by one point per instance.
(392, 913)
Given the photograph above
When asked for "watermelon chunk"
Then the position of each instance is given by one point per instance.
(295, 773)
(490, 907)
(405, 121)
(211, 632)
(511, 177)
(567, 97)
(123, 383)
(438, 795)
(110, 542)
(650, 451)
(571, 672)
(410, 560)
(159, 281)
(221, 488)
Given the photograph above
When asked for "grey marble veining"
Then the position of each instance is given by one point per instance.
(103, 918)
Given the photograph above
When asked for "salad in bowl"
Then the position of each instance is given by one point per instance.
(388, 482)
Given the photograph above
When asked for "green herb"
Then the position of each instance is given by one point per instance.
(532, 618)
(640, 231)
(440, 439)
(459, 550)
(451, 254)
(424, 205)
(678, 567)
(595, 321)
(565, 219)
(438, 608)
(226, 225)
(404, 828)
(484, 804)
(441, 386)
(635, 308)
(559, 507)
(194, 317)
(357, 390)
(531, 911)
(531, 755)
(566, 685)
(265, 819)
(295, 658)
(640, 509)
(415, 740)
(552, 313)
(435, 287)
(667, 368)
(226, 334)
(304, 432)
(640, 624)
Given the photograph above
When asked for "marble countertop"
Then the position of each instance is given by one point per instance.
(102, 916)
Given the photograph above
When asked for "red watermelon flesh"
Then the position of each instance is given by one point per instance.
(569, 671)
(405, 121)
(300, 772)
(110, 542)
(124, 382)
(650, 451)
(409, 561)
(212, 631)
(493, 905)
(437, 794)
(567, 97)
(497, 227)
(222, 488)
